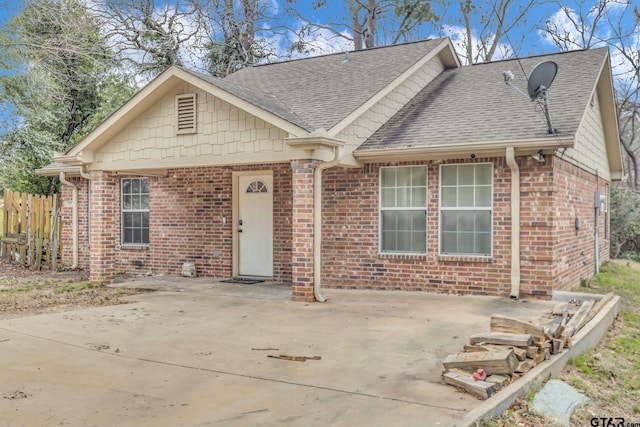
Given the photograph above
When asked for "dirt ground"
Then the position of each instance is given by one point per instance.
(25, 291)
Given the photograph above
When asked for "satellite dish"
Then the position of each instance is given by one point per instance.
(538, 84)
(541, 78)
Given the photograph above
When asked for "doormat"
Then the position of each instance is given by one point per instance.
(242, 281)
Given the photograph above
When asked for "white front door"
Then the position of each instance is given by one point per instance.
(255, 225)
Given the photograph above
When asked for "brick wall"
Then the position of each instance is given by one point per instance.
(351, 257)
(302, 229)
(188, 206)
(186, 224)
(574, 253)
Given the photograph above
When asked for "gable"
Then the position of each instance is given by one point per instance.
(223, 134)
(324, 90)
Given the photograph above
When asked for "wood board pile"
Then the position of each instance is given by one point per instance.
(512, 347)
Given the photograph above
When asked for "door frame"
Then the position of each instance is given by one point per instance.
(235, 215)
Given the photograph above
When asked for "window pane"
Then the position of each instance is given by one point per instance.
(389, 241)
(388, 197)
(483, 244)
(145, 235)
(137, 235)
(465, 174)
(145, 219)
(449, 242)
(403, 241)
(403, 177)
(419, 241)
(135, 201)
(418, 221)
(135, 185)
(419, 197)
(449, 175)
(388, 177)
(388, 220)
(465, 243)
(449, 221)
(419, 176)
(126, 186)
(136, 219)
(144, 202)
(144, 186)
(483, 221)
(404, 220)
(483, 174)
(449, 197)
(128, 233)
(126, 202)
(483, 196)
(404, 197)
(466, 221)
(465, 197)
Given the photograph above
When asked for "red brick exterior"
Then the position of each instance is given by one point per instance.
(188, 206)
(302, 229)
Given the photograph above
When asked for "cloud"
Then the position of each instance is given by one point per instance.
(458, 36)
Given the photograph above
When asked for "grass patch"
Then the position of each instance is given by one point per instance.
(608, 372)
(72, 288)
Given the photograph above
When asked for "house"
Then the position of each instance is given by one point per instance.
(390, 168)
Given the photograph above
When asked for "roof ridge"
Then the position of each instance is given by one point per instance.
(343, 52)
(540, 55)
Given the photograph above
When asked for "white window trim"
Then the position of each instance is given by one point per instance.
(463, 255)
(122, 212)
(192, 126)
(381, 208)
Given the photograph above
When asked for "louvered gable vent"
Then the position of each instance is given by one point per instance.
(186, 113)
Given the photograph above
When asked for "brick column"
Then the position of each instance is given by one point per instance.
(302, 229)
(105, 226)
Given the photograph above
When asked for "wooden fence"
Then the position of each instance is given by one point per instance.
(31, 230)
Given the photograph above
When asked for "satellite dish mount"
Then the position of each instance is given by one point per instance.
(538, 84)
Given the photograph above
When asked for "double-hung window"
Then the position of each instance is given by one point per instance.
(403, 209)
(135, 211)
(465, 209)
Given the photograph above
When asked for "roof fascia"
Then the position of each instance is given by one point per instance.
(444, 50)
(486, 149)
(606, 96)
(69, 170)
(155, 90)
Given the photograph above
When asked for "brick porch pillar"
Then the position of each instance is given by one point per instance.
(105, 229)
(302, 229)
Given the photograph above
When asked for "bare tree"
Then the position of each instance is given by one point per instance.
(239, 34)
(153, 36)
(369, 23)
(481, 29)
(616, 24)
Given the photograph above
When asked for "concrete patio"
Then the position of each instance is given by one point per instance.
(195, 353)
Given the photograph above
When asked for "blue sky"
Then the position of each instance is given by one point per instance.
(526, 39)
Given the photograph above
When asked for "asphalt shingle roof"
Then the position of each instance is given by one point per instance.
(319, 92)
(472, 104)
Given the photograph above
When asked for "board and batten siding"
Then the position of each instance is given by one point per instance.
(590, 151)
(224, 134)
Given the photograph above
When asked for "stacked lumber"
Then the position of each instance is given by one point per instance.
(512, 347)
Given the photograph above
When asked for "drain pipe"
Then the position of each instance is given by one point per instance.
(74, 201)
(317, 222)
(515, 222)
